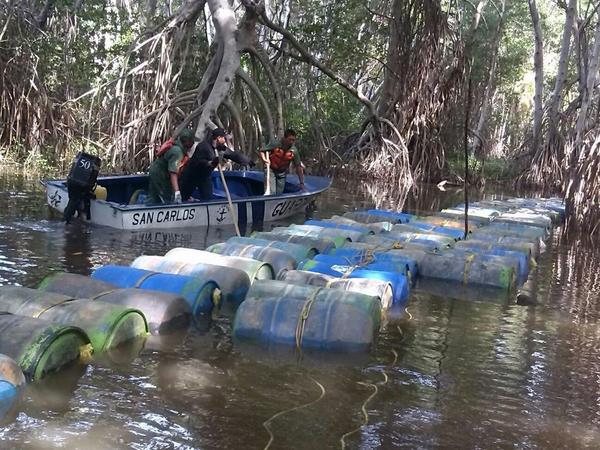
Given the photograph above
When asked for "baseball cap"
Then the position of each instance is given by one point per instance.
(218, 132)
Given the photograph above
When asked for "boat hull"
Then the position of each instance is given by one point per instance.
(252, 209)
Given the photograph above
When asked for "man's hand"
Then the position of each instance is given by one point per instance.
(251, 164)
(214, 162)
(302, 186)
(177, 197)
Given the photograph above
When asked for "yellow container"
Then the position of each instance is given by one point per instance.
(100, 192)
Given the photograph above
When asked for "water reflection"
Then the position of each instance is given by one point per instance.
(453, 373)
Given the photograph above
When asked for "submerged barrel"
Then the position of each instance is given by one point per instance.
(376, 288)
(468, 269)
(498, 236)
(447, 222)
(482, 214)
(322, 245)
(201, 295)
(298, 251)
(164, 312)
(399, 281)
(526, 218)
(12, 381)
(366, 218)
(256, 270)
(410, 256)
(375, 226)
(278, 259)
(234, 283)
(38, 346)
(307, 317)
(408, 233)
(106, 325)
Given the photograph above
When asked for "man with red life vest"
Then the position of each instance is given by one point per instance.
(163, 181)
(277, 157)
(203, 160)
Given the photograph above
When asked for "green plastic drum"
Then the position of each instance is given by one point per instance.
(40, 347)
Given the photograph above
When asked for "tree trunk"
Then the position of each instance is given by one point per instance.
(563, 64)
(538, 67)
(225, 25)
(477, 149)
(588, 90)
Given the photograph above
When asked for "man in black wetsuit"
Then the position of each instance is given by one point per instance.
(198, 171)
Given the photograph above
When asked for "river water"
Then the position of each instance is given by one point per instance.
(452, 374)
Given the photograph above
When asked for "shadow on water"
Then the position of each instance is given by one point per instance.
(451, 373)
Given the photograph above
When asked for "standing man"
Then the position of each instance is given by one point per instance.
(277, 157)
(197, 173)
(163, 183)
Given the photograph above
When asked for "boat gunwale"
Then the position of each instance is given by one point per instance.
(60, 184)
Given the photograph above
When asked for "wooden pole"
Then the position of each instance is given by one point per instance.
(230, 203)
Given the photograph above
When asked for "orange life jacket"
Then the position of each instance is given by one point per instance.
(166, 147)
(280, 159)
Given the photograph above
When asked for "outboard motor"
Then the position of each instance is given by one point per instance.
(81, 182)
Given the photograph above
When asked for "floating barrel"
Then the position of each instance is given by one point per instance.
(234, 283)
(375, 288)
(384, 242)
(446, 222)
(516, 259)
(405, 235)
(12, 381)
(164, 312)
(483, 214)
(399, 281)
(106, 325)
(392, 216)
(524, 248)
(320, 232)
(468, 269)
(278, 259)
(256, 270)
(38, 346)
(393, 262)
(512, 238)
(366, 218)
(307, 317)
(298, 251)
(375, 227)
(525, 218)
(201, 295)
(409, 256)
(322, 245)
(360, 228)
(516, 229)
(455, 233)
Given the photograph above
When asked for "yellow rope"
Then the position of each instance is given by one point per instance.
(295, 408)
(467, 268)
(363, 407)
(304, 316)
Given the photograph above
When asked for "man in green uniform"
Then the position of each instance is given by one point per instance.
(163, 185)
(277, 157)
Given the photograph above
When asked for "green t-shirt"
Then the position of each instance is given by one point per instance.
(277, 143)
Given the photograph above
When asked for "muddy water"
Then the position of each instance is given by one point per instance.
(452, 374)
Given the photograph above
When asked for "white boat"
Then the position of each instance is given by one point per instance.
(122, 208)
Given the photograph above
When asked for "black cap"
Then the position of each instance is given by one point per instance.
(217, 132)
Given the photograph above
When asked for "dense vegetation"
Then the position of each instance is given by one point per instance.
(379, 87)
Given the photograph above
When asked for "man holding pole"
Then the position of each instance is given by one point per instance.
(277, 157)
(203, 160)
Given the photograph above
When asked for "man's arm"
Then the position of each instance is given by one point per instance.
(237, 157)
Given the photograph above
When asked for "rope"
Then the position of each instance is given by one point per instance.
(295, 408)
(139, 282)
(467, 268)
(306, 307)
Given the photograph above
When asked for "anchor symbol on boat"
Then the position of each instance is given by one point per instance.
(222, 211)
(55, 199)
